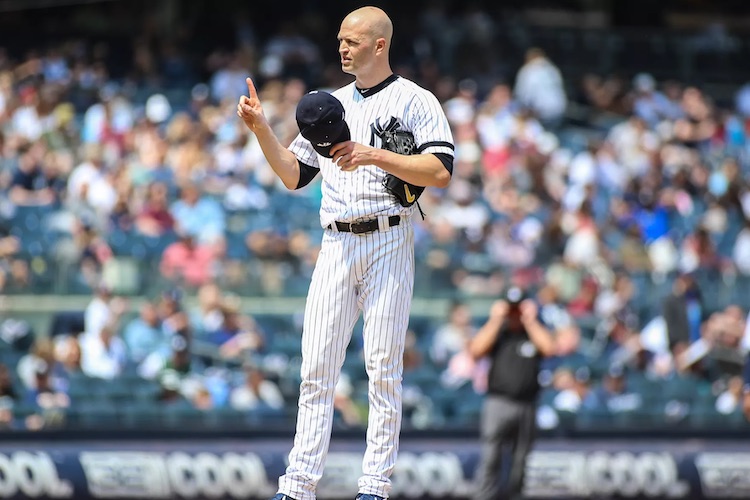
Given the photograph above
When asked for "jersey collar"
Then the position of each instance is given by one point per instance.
(377, 88)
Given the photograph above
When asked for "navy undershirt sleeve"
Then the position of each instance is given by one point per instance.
(306, 174)
(447, 161)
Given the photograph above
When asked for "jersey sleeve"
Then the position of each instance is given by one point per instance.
(304, 151)
(430, 127)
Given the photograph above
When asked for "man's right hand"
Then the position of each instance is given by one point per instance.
(499, 310)
(250, 110)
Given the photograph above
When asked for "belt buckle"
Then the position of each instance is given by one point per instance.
(360, 227)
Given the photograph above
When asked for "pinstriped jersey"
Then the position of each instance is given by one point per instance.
(398, 105)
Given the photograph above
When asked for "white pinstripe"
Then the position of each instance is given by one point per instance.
(370, 273)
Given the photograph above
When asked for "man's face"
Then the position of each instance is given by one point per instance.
(190, 195)
(356, 46)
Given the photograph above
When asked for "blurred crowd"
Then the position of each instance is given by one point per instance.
(621, 203)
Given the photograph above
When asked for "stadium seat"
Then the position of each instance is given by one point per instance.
(703, 415)
(224, 418)
(94, 414)
(141, 414)
(181, 415)
(593, 419)
(466, 410)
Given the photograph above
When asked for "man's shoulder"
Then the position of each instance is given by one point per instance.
(413, 87)
(344, 92)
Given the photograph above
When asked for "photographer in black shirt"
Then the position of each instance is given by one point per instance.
(516, 341)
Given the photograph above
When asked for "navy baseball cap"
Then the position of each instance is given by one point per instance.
(320, 118)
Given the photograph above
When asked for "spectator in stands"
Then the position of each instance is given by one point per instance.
(574, 391)
(144, 335)
(30, 186)
(289, 53)
(67, 361)
(188, 261)
(612, 394)
(741, 251)
(461, 108)
(699, 252)
(463, 368)
(202, 399)
(25, 120)
(582, 247)
(540, 87)
(256, 391)
(49, 402)
(634, 146)
(582, 305)
(239, 335)
(516, 342)
(42, 351)
(616, 300)
(7, 390)
(207, 317)
(462, 210)
(604, 94)
(698, 125)
(12, 270)
(93, 252)
(155, 219)
(566, 332)
(103, 355)
(451, 337)
(418, 409)
(649, 103)
(177, 356)
(730, 400)
(104, 309)
(90, 191)
(722, 333)
(683, 311)
(198, 215)
(170, 390)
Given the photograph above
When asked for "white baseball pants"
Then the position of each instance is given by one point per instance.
(372, 273)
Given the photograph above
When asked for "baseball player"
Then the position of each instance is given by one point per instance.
(366, 262)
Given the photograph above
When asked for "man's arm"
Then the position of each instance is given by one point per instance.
(485, 339)
(538, 333)
(282, 161)
(420, 169)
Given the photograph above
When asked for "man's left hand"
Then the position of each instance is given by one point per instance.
(528, 311)
(349, 155)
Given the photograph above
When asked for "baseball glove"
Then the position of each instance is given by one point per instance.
(402, 143)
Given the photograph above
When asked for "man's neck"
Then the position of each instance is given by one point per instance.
(371, 80)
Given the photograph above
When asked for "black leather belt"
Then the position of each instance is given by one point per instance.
(365, 226)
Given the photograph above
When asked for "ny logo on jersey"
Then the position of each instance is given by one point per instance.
(379, 130)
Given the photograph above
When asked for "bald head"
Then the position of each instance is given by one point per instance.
(364, 44)
(373, 21)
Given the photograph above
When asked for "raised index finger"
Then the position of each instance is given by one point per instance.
(251, 88)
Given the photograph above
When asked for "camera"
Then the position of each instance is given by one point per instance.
(514, 296)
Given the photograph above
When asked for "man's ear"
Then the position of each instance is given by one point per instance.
(380, 45)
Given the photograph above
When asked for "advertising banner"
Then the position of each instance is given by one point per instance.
(426, 469)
